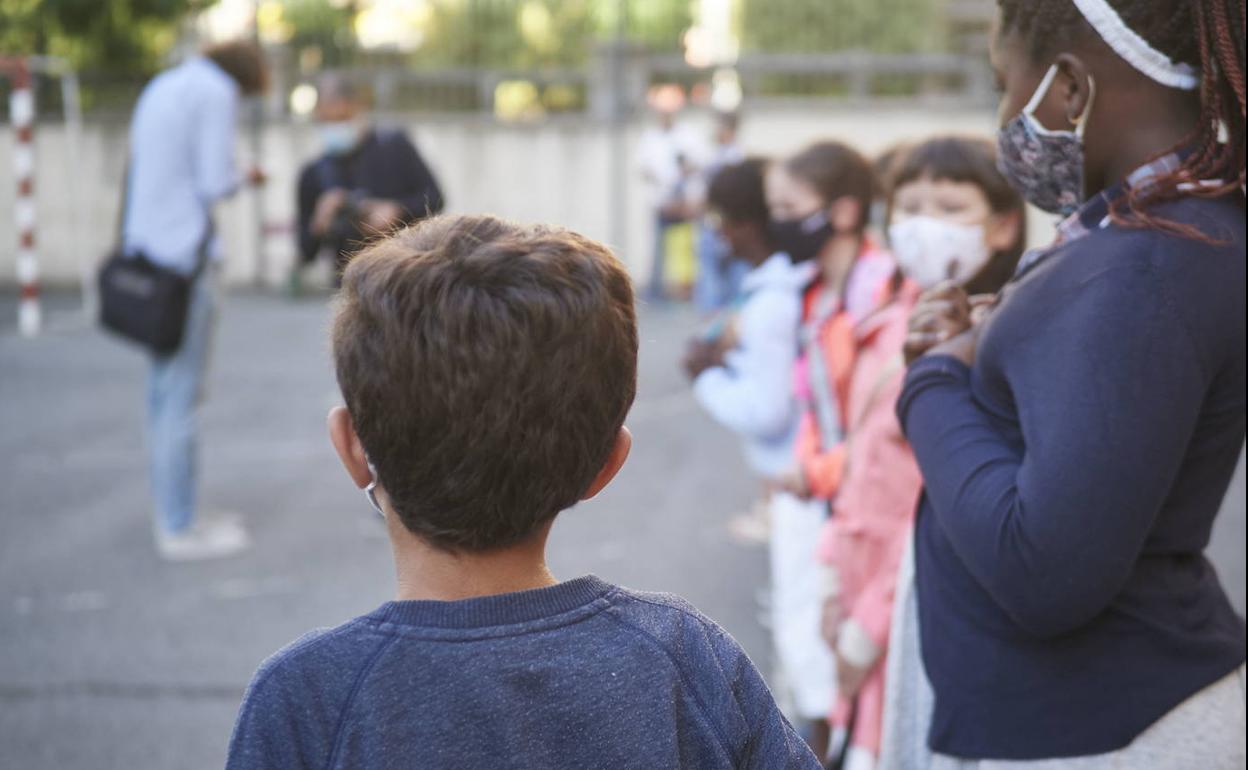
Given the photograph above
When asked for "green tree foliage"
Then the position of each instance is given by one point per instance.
(324, 26)
(96, 36)
(543, 33)
(820, 26)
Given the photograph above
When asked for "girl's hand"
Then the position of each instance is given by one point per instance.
(961, 347)
(793, 482)
(965, 345)
(946, 322)
(830, 618)
(942, 313)
(701, 355)
(981, 306)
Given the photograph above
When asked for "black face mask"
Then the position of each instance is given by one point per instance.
(801, 239)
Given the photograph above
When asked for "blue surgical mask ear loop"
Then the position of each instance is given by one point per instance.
(370, 492)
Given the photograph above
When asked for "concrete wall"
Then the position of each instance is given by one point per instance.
(557, 171)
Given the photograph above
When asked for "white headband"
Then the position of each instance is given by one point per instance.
(1135, 49)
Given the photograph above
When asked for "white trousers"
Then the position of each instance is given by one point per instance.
(797, 584)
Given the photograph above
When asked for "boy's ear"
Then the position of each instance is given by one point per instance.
(347, 443)
(615, 461)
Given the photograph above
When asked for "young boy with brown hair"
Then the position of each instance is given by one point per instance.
(487, 369)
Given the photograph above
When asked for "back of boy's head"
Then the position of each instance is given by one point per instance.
(965, 159)
(487, 368)
(835, 170)
(737, 192)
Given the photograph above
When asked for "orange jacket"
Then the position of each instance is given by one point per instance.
(873, 483)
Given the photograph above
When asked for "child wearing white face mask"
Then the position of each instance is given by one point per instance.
(953, 217)
(950, 216)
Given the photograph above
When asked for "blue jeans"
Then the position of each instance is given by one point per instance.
(174, 392)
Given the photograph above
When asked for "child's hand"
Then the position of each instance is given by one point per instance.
(793, 482)
(962, 347)
(830, 619)
(327, 207)
(942, 313)
(730, 337)
(981, 306)
(849, 678)
(701, 355)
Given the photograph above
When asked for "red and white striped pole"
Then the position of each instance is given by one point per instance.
(22, 113)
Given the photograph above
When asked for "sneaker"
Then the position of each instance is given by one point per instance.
(206, 539)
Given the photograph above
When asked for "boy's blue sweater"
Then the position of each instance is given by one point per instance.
(579, 675)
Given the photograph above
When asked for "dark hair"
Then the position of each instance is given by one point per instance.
(836, 170)
(487, 367)
(336, 85)
(243, 61)
(972, 160)
(882, 166)
(737, 192)
(728, 120)
(1208, 34)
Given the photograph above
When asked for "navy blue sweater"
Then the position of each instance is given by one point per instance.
(1072, 479)
(578, 675)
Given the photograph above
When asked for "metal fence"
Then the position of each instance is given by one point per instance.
(536, 59)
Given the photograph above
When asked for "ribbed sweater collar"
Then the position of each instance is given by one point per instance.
(498, 610)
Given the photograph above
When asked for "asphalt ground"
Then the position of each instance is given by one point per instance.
(111, 658)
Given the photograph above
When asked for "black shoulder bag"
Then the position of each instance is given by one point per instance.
(144, 302)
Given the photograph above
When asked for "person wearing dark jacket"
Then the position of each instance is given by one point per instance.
(1076, 440)
(368, 180)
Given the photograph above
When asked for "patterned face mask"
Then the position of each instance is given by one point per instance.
(1045, 166)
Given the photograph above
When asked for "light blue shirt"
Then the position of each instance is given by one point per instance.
(181, 161)
(752, 394)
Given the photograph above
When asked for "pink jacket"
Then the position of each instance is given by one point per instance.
(874, 500)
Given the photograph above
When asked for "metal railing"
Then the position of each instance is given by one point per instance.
(789, 50)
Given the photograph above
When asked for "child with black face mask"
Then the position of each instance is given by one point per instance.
(742, 372)
(819, 202)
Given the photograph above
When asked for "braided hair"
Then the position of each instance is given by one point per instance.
(1216, 49)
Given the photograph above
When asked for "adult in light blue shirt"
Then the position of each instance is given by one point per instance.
(181, 163)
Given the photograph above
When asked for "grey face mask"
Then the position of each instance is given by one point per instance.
(1046, 167)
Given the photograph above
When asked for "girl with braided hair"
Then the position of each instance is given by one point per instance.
(1076, 434)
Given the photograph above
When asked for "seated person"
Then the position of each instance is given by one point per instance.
(367, 182)
(487, 369)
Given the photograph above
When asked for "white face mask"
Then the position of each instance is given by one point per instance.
(931, 250)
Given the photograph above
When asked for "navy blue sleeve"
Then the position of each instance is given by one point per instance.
(295, 705)
(1108, 385)
(769, 742)
(423, 196)
(309, 193)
